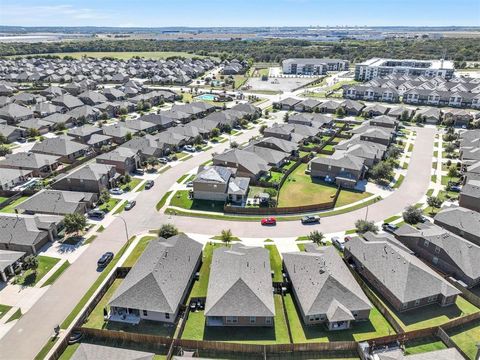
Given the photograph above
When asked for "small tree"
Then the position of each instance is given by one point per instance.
(449, 148)
(226, 236)
(340, 112)
(412, 215)
(32, 132)
(394, 152)
(129, 136)
(104, 197)
(74, 223)
(3, 139)
(285, 117)
(4, 150)
(382, 171)
(364, 226)
(262, 129)
(60, 126)
(215, 132)
(167, 230)
(198, 140)
(434, 202)
(405, 115)
(452, 171)
(234, 145)
(316, 237)
(30, 262)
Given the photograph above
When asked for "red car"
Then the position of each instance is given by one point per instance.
(269, 221)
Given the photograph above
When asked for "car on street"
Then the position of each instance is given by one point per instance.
(338, 243)
(149, 184)
(189, 148)
(190, 184)
(269, 221)
(116, 191)
(130, 204)
(310, 219)
(96, 214)
(105, 259)
(391, 228)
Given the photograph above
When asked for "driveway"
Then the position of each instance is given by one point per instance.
(33, 329)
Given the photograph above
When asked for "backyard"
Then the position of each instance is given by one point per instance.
(182, 200)
(466, 337)
(300, 189)
(275, 263)
(31, 277)
(200, 286)
(10, 208)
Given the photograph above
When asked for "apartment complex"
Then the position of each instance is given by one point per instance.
(378, 67)
(313, 66)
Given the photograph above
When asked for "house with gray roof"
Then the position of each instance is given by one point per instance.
(88, 351)
(58, 118)
(159, 281)
(36, 124)
(324, 289)
(84, 133)
(460, 221)
(384, 121)
(11, 133)
(272, 157)
(247, 163)
(118, 132)
(10, 178)
(345, 169)
(67, 101)
(90, 178)
(124, 159)
(274, 143)
(27, 233)
(397, 274)
(14, 113)
(68, 150)
(240, 289)
(286, 104)
(470, 195)
(9, 260)
(445, 251)
(41, 165)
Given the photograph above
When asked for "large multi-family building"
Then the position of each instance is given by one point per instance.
(378, 67)
(313, 66)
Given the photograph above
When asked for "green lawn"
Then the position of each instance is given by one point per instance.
(15, 316)
(57, 274)
(109, 205)
(392, 218)
(30, 278)
(195, 329)
(69, 351)
(181, 199)
(399, 182)
(46, 348)
(137, 251)
(467, 337)
(95, 319)
(163, 200)
(446, 179)
(423, 345)
(132, 184)
(182, 178)
(375, 327)
(275, 262)
(2, 199)
(300, 189)
(121, 207)
(11, 207)
(347, 197)
(200, 286)
(4, 309)
(126, 55)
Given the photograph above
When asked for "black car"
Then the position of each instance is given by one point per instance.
(311, 219)
(130, 205)
(149, 184)
(96, 214)
(391, 228)
(105, 259)
(139, 172)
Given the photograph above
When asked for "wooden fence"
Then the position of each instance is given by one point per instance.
(14, 195)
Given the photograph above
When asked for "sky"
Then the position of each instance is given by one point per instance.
(221, 13)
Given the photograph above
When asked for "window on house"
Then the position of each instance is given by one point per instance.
(167, 316)
(426, 243)
(268, 320)
(417, 302)
(311, 318)
(253, 319)
(437, 249)
(232, 319)
(145, 313)
(432, 298)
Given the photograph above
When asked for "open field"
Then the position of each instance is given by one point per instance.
(125, 55)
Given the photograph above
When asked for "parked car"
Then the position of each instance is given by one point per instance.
(149, 184)
(105, 259)
(96, 214)
(310, 219)
(190, 184)
(130, 204)
(21, 140)
(338, 243)
(139, 172)
(391, 228)
(269, 221)
(163, 160)
(116, 191)
(189, 148)
(455, 188)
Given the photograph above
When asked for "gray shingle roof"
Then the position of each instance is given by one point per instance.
(29, 160)
(323, 283)
(461, 218)
(8, 257)
(25, 230)
(55, 202)
(214, 174)
(88, 351)
(58, 146)
(159, 278)
(240, 283)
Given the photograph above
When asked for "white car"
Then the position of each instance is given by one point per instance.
(116, 191)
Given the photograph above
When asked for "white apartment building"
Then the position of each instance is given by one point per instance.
(313, 66)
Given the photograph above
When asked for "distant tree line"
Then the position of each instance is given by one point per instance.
(272, 50)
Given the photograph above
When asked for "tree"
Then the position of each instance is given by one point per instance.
(316, 237)
(394, 152)
(123, 111)
(405, 115)
(167, 230)
(74, 223)
(215, 132)
(412, 215)
(340, 112)
(129, 136)
(3, 139)
(4, 150)
(227, 128)
(104, 197)
(434, 202)
(285, 117)
(452, 171)
(382, 171)
(103, 116)
(226, 236)
(449, 148)
(31, 262)
(198, 139)
(234, 145)
(60, 126)
(262, 129)
(364, 226)
(32, 133)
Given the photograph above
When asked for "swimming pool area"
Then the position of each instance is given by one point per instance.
(208, 97)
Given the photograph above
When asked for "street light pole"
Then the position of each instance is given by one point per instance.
(126, 231)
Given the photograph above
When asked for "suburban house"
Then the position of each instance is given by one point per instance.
(218, 183)
(307, 105)
(67, 101)
(160, 121)
(345, 170)
(460, 221)
(35, 124)
(247, 163)
(240, 291)
(397, 274)
(11, 133)
(324, 289)
(429, 115)
(68, 150)
(27, 233)
(147, 146)
(384, 121)
(124, 159)
(286, 104)
(158, 283)
(445, 251)
(91, 178)
(88, 351)
(118, 132)
(56, 202)
(286, 146)
(272, 157)
(14, 113)
(470, 195)
(84, 133)
(41, 165)
(10, 178)
(9, 261)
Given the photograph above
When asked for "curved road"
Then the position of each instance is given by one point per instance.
(33, 329)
